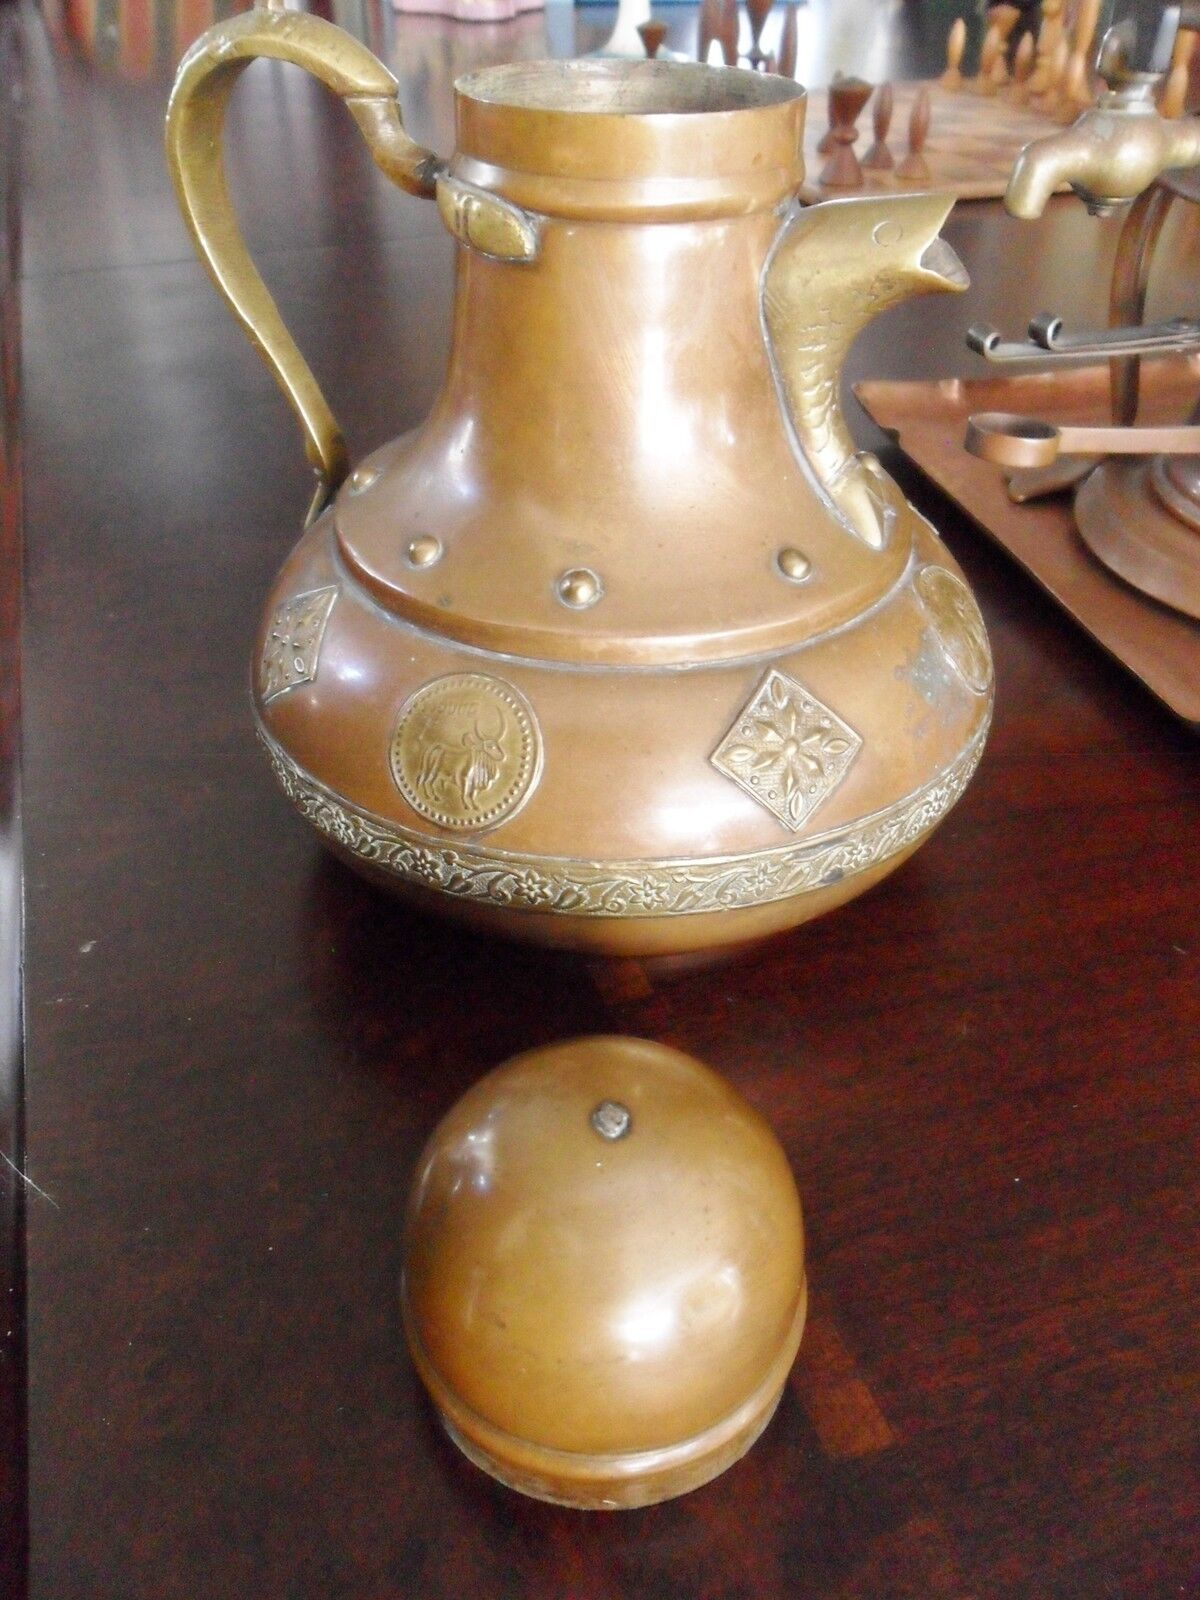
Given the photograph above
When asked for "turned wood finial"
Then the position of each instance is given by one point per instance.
(879, 158)
(956, 43)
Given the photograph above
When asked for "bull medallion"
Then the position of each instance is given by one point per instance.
(466, 752)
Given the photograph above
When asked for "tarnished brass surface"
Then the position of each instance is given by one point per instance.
(633, 511)
(603, 1283)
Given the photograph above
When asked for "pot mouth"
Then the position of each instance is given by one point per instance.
(609, 140)
(626, 88)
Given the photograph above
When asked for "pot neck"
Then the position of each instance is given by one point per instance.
(648, 141)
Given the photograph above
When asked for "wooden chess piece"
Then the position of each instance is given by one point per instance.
(757, 11)
(1048, 102)
(788, 38)
(1004, 19)
(914, 168)
(706, 28)
(1042, 81)
(726, 31)
(827, 141)
(1077, 80)
(652, 34)
(1172, 99)
(981, 83)
(956, 43)
(879, 158)
(1173, 95)
(847, 97)
(1022, 68)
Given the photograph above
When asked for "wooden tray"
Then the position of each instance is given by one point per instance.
(973, 142)
(1159, 646)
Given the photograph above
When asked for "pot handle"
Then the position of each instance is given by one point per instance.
(195, 119)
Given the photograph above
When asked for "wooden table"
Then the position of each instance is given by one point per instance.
(984, 1073)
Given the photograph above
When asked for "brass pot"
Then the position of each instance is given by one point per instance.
(625, 648)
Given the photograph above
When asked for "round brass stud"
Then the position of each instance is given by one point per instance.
(611, 1120)
(424, 551)
(579, 588)
(794, 565)
(362, 478)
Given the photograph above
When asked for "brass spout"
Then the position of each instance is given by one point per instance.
(1108, 156)
(833, 269)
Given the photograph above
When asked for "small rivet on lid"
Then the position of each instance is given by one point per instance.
(579, 588)
(362, 478)
(794, 564)
(424, 551)
(611, 1119)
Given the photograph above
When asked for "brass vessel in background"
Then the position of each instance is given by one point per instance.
(625, 648)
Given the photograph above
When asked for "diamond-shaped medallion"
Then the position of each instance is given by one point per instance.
(787, 749)
(294, 641)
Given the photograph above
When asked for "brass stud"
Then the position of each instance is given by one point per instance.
(362, 478)
(611, 1120)
(424, 551)
(794, 565)
(579, 588)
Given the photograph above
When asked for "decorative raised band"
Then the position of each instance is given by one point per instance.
(662, 888)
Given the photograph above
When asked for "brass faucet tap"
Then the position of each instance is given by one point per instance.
(1113, 151)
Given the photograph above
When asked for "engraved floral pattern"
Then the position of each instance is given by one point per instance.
(294, 638)
(787, 749)
(673, 887)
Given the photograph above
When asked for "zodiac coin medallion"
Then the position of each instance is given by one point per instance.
(466, 752)
(952, 608)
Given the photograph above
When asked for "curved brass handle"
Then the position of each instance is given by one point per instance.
(195, 118)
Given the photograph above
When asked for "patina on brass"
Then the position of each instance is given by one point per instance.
(629, 649)
(603, 1285)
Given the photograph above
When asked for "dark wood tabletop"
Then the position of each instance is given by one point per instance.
(984, 1072)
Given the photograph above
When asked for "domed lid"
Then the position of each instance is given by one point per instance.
(604, 1255)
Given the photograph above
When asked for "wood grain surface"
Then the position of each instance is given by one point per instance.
(984, 1072)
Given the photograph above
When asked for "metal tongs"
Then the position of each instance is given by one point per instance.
(1047, 337)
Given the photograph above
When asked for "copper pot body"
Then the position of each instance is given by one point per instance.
(625, 648)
